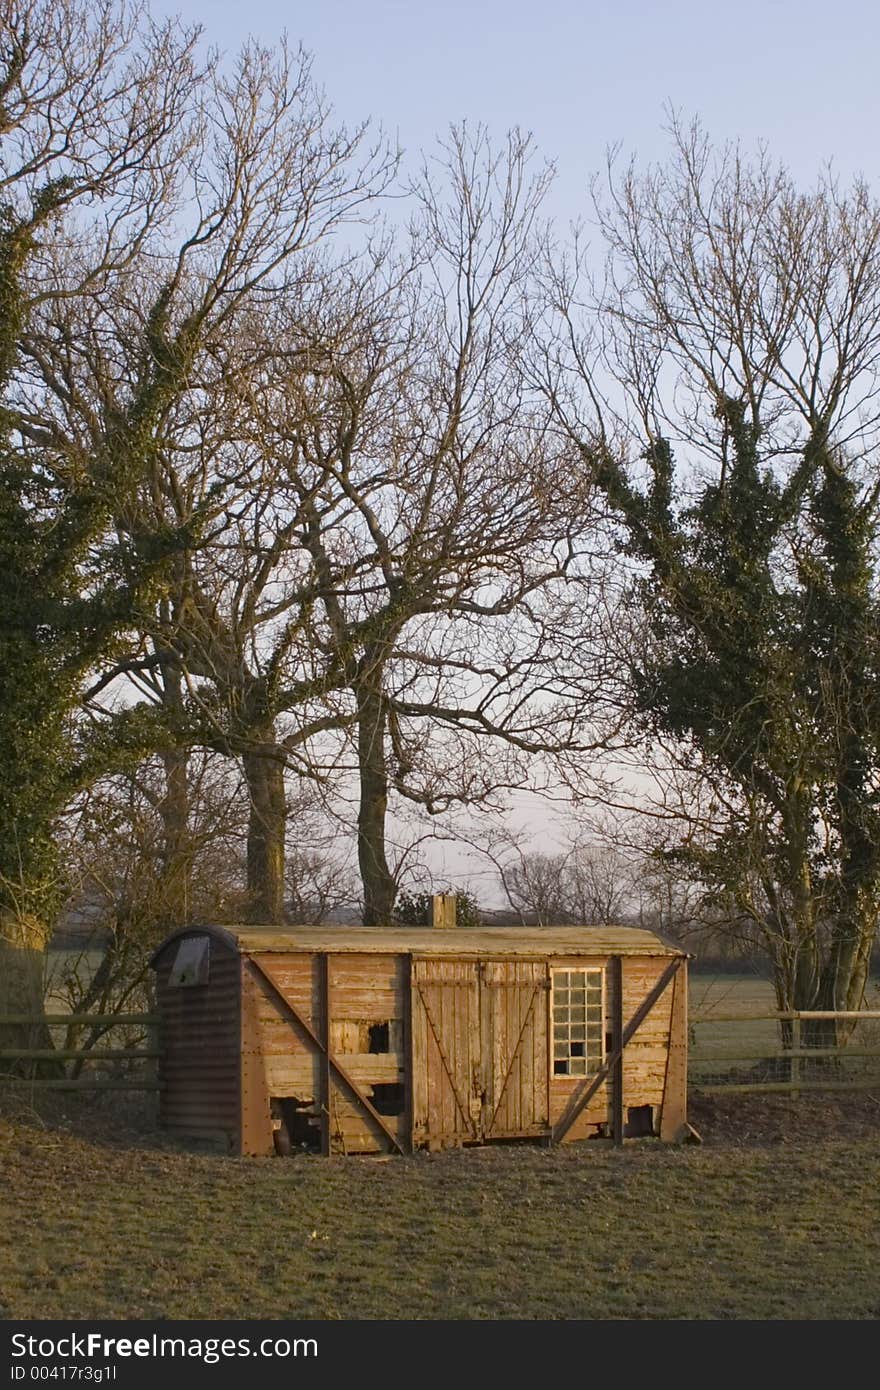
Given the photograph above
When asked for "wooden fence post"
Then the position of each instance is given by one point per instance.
(794, 1075)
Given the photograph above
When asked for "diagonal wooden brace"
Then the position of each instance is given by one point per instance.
(513, 1056)
(446, 1063)
(581, 1098)
(335, 1065)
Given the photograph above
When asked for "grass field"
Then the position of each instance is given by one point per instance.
(731, 995)
(774, 1216)
(769, 1219)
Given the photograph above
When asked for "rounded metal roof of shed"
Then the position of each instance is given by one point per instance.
(433, 941)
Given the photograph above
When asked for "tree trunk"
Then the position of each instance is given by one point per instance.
(176, 864)
(265, 843)
(23, 941)
(380, 887)
(843, 978)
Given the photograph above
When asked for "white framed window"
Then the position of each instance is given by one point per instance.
(578, 1003)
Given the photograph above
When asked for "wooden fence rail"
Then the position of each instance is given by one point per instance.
(149, 1052)
(791, 1059)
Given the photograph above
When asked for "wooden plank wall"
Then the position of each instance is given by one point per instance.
(480, 1047)
(674, 1117)
(513, 999)
(365, 990)
(645, 1057)
(445, 1052)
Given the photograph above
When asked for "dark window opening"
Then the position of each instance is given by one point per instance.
(389, 1098)
(560, 1066)
(295, 1125)
(379, 1040)
(639, 1122)
(192, 962)
(578, 1049)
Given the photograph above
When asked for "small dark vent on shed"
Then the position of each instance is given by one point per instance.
(389, 1098)
(639, 1122)
(293, 1123)
(380, 1040)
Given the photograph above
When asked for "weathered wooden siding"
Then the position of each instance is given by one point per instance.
(445, 1052)
(199, 1066)
(366, 992)
(447, 1049)
(646, 1055)
(598, 1111)
(674, 1115)
(514, 1044)
(644, 1061)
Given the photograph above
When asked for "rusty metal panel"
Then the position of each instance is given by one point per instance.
(199, 1066)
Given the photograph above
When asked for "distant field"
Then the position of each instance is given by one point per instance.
(725, 995)
(742, 1042)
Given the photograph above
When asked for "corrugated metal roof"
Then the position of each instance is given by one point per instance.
(458, 941)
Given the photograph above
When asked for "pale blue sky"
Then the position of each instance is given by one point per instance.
(800, 74)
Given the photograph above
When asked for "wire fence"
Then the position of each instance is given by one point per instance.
(786, 1052)
(754, 1051)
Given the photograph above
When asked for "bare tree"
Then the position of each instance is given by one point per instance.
(742, 319)
(449, 531)
(95, 121)
(165, 362)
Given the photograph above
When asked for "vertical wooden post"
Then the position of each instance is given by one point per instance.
(326, 1082)
(408, 1055)
(548, 1026)
(795, 1063)
(255, 1120)
(444, 911)
(617, 1047)
(673, 1116)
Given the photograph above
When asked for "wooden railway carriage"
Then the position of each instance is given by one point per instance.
(370, 1040)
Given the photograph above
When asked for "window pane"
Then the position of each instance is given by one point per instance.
(560, 1067)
